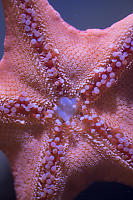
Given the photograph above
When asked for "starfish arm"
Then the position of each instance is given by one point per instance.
(116, 108)
(23, 154)
(16, 75)
(113, 49)
(31, 37)
(114, 57)
(47, 168)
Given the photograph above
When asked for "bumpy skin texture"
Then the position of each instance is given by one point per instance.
(58, 146)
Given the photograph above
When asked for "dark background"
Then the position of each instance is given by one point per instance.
(82, 14)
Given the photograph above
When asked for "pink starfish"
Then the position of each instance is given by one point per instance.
(66, 109)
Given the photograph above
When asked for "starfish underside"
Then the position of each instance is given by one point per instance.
(66, 102)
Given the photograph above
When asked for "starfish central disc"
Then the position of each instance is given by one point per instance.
(66, 108)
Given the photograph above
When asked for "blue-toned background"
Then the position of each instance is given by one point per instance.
(82, 14)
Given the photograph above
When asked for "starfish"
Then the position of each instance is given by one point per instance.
(66, 103)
